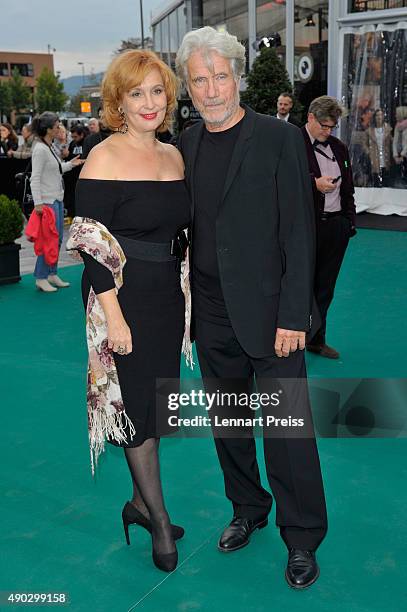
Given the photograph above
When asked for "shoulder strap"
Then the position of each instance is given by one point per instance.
(53, 153)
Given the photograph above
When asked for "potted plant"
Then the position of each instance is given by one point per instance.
(11, 227)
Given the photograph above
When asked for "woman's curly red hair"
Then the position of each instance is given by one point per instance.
(128, 70)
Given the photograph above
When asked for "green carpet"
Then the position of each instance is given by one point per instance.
(61, 529)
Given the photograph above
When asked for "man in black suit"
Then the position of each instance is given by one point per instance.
(94, 139)
(331, 176)
(252, 262)
(285, 102)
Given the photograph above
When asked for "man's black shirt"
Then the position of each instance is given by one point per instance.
(215, 152)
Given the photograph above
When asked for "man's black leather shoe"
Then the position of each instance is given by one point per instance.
(237, 534)
(324, 350)
(302, 568)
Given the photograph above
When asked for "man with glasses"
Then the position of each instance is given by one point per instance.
(332, 183)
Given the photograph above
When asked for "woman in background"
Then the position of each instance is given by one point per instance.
(8, 139)
(47, 189)
(60, 144)
(378, 147)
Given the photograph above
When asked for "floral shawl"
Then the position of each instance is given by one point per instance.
(107, 418)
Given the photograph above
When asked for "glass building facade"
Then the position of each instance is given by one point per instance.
(310, 32)
(169, 30)
(354, 50)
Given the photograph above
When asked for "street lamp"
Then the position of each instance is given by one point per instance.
(83, 72)
(274, 40)
(142, 24)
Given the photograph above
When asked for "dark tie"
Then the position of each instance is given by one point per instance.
(318, 142)
(324, 144)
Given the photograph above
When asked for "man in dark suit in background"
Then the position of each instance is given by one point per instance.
(252, 262)
(285, 102)
(331, 176)
(94, 139)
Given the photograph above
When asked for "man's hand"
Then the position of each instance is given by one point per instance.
(324, 184)
(288, 341)
(38, 209)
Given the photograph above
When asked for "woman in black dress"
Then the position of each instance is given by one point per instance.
(133, 185)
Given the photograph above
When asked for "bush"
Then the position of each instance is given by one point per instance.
(11, 220)
(266, 80)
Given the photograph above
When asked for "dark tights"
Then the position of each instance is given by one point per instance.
(144, 466)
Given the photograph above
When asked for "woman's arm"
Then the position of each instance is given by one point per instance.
(39, 159)
(118, 332)
(66, 166)
(98, 201)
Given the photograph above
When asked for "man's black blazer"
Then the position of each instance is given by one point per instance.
(347, 190)
(264, 230)
(294, 120)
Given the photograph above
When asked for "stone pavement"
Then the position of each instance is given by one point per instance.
(28, 257)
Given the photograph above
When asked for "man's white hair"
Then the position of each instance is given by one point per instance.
(208, 39)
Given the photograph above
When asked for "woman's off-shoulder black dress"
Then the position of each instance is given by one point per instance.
(143, 216)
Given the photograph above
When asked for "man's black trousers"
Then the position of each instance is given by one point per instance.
(292, 464)
(332, 240)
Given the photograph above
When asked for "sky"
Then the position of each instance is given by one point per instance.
(80, 30)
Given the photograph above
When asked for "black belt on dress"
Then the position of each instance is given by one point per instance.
(325, 215)
(155, 251)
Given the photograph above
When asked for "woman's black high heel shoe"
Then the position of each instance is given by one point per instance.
(167, 562)
(131, 516)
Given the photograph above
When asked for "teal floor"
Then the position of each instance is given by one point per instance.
(61, 529)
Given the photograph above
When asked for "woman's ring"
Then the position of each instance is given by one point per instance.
(121, 350)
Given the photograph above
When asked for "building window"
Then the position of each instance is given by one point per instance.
(182, 22)
(310, 51)
(229, 14)
(375, 92)
(361, 6)
(26, 70)
(4, 71)
(157, 38)
(174, 37)
(165, 39)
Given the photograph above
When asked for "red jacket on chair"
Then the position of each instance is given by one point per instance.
(41, 230)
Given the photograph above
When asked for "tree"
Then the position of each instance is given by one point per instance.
(134, 43)
(266, 80)
(6, 103)
(21, 96)
(75, 104)
(50, 94)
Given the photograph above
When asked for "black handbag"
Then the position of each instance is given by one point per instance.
(23, 188)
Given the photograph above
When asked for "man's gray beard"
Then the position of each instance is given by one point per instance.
(226, 117)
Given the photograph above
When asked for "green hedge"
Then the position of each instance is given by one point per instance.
(11, 220)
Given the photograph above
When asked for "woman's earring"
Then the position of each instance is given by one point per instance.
(124, 128)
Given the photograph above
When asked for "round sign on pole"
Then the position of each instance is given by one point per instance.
(305, 67)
